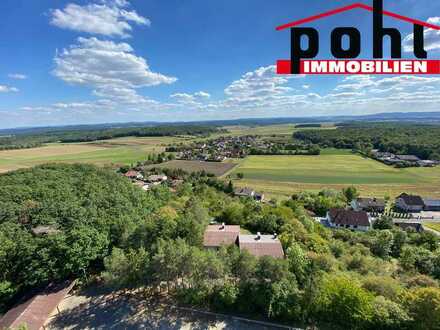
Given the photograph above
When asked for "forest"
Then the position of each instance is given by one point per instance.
(25, 141)
(106, 228)
(413, 139)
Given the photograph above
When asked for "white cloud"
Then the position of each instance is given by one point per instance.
(262, 88)
(8, 89)
(203, 95)
(190, 98)
(110, 68)
(107, 18)
(259, 93)
(17, 76)
(432, 38)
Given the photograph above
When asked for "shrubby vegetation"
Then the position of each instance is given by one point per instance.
(383, 279)
(419, 140)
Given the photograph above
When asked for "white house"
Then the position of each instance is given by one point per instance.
(348, 219)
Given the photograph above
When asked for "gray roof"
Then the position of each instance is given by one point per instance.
(413, 200)
(410, 158)
(245, 192)
(432, 202)
(45, 230)
(370, 202)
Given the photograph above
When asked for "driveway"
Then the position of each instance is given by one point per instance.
(91, 310)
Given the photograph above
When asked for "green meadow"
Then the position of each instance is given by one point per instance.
(123, 151)
(334, 169)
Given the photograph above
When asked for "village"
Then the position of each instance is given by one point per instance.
(227, 147)
(407, 212)
(389, 158)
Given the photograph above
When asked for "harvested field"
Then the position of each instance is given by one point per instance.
(218, 169)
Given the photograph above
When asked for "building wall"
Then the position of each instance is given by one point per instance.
(358, 228)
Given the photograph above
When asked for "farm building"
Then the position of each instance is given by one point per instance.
(368, 205)
(261, 245)
(217, 235)
(34, 313)
(353, 220)
(410, 203)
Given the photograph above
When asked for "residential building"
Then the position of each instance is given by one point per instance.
(45, 230)
(217, 235)
(368, 205)
(157, 178)
(245, 192)
(134, 175)
(410, 203)
(432, 205)
(258, 245)
(261, 245)
(349, 219)
(417, 227)
(249, 193)
(35, 312)
(408, 158)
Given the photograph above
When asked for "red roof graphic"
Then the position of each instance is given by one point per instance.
(355, 6)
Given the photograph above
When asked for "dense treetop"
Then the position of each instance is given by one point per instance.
(420, 140)
(130, 239)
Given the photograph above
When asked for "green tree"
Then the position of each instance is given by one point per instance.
(298, 262)
(384, 222)
(342, 302)
(350, 193)
(424, 307)
(389, 315)
(382, 244)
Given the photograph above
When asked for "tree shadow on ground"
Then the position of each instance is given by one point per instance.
(104, 310)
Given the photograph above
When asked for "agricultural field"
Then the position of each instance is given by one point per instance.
(116, 151)
(218, 169)
(433, 225)
(269, 130)
(284, 175)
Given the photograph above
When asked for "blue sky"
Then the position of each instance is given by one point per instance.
(84, 62)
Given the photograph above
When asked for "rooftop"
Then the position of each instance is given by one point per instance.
(347, 217)
(261, 245)
(45, 230)
(245, 192)
(34, 312)
(412, 199)
(410, 158)
(432, 202)
(131, 174)
(370, 202)
(218, 235)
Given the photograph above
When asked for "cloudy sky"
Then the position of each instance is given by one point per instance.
(96, 61)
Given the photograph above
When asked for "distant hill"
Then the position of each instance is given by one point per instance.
(419, 117)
